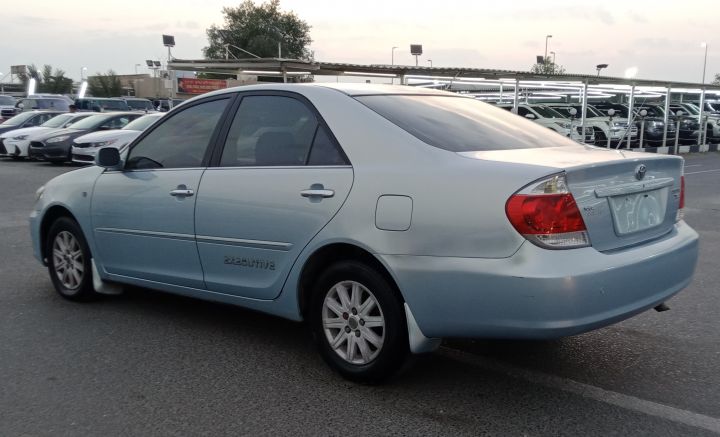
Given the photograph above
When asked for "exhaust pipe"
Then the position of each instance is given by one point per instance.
(662, 307)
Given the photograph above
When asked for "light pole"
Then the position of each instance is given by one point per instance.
(547, 37)
(2, 86)
(136, 66)
(392, 56)
(430, 61)
(82, 73)
(704, 44)
(701, 140)
(553, 53)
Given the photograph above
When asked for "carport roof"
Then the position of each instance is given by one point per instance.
(276, 65)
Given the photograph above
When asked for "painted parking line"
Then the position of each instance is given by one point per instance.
(703, 171)
(627, 402)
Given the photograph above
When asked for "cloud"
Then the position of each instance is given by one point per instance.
(638, 18)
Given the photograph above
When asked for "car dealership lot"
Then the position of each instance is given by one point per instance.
(150, 363)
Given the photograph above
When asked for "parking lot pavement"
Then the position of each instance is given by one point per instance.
(147, 363)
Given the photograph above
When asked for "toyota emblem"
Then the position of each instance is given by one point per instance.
(640, 172)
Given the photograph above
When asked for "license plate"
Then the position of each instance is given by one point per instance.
(639, 211)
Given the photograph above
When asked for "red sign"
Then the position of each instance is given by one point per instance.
(200, 86)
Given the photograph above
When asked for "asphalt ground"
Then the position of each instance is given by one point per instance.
(149, 363)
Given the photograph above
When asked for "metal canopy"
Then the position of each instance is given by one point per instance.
(295, 66)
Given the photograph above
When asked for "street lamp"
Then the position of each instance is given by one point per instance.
(430, 61)
(547, 37)
(392, 56)
(82, 72)
(553, 53)
(600, 67)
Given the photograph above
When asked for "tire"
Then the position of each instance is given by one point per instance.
(378, 351)
(66, 245)
(600, 137)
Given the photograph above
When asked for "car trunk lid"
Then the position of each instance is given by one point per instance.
(625, 198)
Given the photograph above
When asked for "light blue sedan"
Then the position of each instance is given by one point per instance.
(386, 217)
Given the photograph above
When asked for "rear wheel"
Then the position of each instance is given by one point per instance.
(69, 260)
(358, 323)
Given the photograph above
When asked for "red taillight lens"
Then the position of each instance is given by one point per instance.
(544, 214)
(682, 192)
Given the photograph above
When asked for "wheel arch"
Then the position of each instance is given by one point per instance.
(51, 215)
(333, 252)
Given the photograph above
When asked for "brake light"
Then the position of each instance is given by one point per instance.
(680, 213)
(546, 214)
(682, 192)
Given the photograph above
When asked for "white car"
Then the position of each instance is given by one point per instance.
(16, 142)
(616, 129)
(86, 146)
(553, 120)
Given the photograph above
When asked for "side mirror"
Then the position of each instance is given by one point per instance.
(108, 157)
(530, 116)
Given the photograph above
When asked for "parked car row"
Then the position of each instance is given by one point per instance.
(73, 136)
(610, 124)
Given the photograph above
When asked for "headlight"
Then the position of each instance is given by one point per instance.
(39, 193)
(59, 139)
(105, 143)
(563, 125)
(20, 137)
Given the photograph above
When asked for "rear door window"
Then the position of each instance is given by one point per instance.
(277, 131)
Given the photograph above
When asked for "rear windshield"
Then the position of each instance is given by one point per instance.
(461, 124)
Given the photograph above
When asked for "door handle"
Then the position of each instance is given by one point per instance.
(317, 193)
(182, 191)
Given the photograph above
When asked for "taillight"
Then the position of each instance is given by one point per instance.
(546, 214)
(680, 213)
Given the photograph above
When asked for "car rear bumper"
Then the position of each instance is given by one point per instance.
(540, 293)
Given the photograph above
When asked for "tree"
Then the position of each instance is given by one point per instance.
(548, 67)
(47, 80)
(105, 85)
(717, 79)
(258, 29)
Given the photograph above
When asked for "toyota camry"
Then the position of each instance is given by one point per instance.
(385, 217)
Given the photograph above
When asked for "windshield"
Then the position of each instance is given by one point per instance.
(140, 104)
(115, 105)
(58, 121)
(652, 111)
(714, 106)
(546, 111)
(91, 122)
(474, 125)
(19, 119)
(142, 123)
(692, 109)
(7, 101)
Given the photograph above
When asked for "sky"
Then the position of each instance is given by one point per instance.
(661, 37)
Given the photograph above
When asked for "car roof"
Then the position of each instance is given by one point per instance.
(351, 89)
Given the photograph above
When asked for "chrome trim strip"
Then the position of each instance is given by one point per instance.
(258, 244)
(635, 187)
(272, 245)
(147, 233)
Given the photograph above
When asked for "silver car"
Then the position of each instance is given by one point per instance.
(386, 217)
